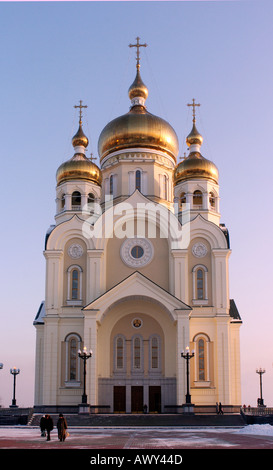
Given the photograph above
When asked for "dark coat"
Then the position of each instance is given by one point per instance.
(61, 426)
(48, 423)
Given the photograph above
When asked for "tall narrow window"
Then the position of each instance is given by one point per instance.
(72, 359)
(75, 284)
(200, 283)
(138, 180)
(72, 362)
(165, 183)
(63, 201)
(201, 359)
(120, 353)
(76, 200)
(111, 187)
(155, 358)
(137, 353)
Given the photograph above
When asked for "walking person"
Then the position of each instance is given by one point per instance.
(48, 426)
(42, 426)
(221, 412)
(62, 427)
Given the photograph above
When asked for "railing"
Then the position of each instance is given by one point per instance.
(257, 411)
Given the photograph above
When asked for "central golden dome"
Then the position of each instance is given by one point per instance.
(138, 128)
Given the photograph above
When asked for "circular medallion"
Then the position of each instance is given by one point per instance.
(137, 323)
(199, 250)
(136, 252)
(75, 251)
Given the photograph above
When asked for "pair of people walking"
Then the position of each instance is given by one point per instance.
(46, 425)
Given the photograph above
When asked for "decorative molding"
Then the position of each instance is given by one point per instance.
(127, 256)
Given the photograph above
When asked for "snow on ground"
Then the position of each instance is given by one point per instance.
(257, 429)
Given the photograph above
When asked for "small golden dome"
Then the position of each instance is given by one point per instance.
(138, 128)
(79, 167)
(195, 166)
(194, 136)
(138, 89)
(80, 138)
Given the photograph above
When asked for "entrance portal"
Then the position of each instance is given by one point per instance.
(119, 399)
(136, 399)
(155, 399)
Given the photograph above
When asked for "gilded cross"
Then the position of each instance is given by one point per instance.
(138, 45)
(193, 104)
(81, 106)
(92, 158)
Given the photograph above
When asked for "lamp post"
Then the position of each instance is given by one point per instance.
(84, 356)
(260, 400)
(14, 372)
(187, 355)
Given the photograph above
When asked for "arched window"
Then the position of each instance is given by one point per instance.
(138, 180)
(200, 285)
(72, 361)
(201, 359)
(76, 200)
(62, 201)
(74, 285)
(154, 352)
(212, 200)
(197, 199)
(137, 354)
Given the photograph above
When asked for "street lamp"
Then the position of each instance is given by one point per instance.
(14, 372)
(260, 400)
(84, 356)
(187, 355)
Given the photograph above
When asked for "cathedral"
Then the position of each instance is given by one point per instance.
(137, 275)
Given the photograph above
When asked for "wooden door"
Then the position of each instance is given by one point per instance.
(155, 399)
(119, 399)
(137, 399)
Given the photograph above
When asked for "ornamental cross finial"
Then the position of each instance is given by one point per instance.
(193, 104)
(138, 45)
(92, 158)
(81, 106)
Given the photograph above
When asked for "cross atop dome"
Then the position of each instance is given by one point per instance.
(138, 45)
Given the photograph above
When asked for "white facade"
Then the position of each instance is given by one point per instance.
(120, 284)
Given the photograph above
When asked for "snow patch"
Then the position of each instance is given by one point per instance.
(257, 429)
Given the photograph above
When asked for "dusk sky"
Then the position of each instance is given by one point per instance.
(54, 54)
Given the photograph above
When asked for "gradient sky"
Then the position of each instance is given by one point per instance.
(53, 54)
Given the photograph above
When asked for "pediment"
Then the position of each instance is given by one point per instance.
(137, 287)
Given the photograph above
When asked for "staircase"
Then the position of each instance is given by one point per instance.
(134, 420)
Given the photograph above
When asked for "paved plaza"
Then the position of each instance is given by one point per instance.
(247, 437)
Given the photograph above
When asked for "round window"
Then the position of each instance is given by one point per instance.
(137, 252)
